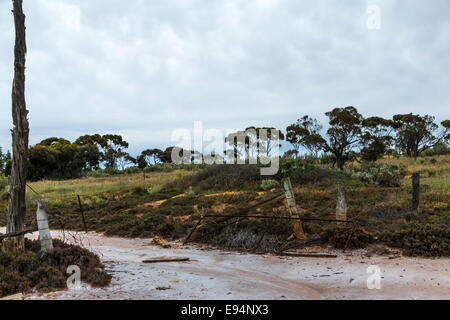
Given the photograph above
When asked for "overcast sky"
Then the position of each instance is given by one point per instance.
(142, 68)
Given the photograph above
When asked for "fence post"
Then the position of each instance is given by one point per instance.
(44, 232)
(416, 191)
(292, 206)
(82, 214)
(341, 207)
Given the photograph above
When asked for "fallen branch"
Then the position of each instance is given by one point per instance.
(307, 255)
(17, 234)
(299, 245)
(160, 260)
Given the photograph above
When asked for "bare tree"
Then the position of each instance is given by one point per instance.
(20, 133)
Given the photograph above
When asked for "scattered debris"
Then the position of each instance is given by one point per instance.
(159, 242)
(163, 288)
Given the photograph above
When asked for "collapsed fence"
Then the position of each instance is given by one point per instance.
(42, 222)
(341, 216)
(294, 216)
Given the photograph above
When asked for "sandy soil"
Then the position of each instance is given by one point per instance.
(216, 274)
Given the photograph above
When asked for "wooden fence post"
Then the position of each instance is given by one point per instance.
(292, 206)
(341, 207)
(416, 191)
(82, 214)
(44, 231)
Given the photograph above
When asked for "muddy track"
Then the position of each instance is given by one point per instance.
(216, 274)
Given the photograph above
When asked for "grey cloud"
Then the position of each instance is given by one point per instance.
(144, 68)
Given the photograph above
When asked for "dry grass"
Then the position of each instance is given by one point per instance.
(435, 177)
(55, 191)
(421, 164)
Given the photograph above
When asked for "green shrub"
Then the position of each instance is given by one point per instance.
(381, 174)
(433, 161)
(219, 177)
(30, 270)
(432, 173)
(154, 189)
(4, 182)
(301, 171)
(419, 239)
(338, 237)
(132, 170)
(169, 167)
(190, 193)
(440, 149)
(327, 159)
(97, 174)
(267, 185)
(103, 173)
(139, 191)
(112, 171)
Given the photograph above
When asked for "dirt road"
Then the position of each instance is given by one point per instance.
(215, 274)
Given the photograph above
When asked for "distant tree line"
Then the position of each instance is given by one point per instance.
(351, 136)
(58, 158)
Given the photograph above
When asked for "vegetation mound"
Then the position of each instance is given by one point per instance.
(31, 270)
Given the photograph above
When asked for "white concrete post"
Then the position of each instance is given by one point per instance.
(44, 232)
(341, 207)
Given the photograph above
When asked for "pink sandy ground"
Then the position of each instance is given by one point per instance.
(222, 275)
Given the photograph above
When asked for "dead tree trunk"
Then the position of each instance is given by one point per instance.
(20, 133)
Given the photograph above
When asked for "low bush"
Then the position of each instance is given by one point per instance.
(4, 182)
(219, 177)
(301, 171)
(132, 170)
(381, 174)
(169, 167)
(419, 239)
(438, 150)
(245, 240)
(338, 235)
(31, 270)
(154, 189)
(190, 193)
(139, 191)
(270, 184)
(103, 173)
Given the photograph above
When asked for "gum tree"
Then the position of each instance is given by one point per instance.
(377, 138)
(306, 133)
(341, 139)
(344, 133)
(415, 133)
